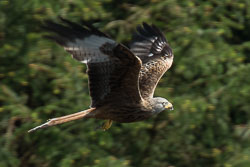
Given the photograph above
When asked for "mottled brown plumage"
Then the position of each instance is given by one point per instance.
(121, 80)
(150, 45)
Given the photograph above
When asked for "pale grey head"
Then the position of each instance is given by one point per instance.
(160, 104)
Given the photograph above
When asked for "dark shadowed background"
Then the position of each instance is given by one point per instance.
(209, 85)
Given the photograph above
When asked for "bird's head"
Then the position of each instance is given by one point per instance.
(160, 104)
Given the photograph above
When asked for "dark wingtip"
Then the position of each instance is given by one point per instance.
(55, 38)
(148, 30)
(61, 18)
(144, 24)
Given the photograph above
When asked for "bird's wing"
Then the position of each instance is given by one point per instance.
(151, 46)
(113, 69)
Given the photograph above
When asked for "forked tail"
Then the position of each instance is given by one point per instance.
(63, 119)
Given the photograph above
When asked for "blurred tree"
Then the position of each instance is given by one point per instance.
(209, 85)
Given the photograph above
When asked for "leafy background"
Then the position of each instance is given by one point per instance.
(208, 84)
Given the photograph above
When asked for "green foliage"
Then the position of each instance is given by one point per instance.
(209, 85)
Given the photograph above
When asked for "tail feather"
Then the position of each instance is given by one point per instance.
(63, 119)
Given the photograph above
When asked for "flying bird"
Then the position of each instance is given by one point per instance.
(121, 81)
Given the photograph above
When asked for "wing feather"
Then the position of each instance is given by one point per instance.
(113, 69)
(151, 46)
(83, 42)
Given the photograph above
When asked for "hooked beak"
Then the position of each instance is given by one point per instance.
(169, 107)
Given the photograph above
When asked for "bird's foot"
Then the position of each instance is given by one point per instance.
(105, 126)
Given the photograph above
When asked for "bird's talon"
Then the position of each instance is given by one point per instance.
(105, 126)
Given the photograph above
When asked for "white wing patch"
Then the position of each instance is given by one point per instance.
(150, 54)
(88, 49)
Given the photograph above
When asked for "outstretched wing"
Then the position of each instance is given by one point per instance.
(113, 69)
(150, 45)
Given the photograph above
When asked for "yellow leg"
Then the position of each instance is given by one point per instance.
(107, 125)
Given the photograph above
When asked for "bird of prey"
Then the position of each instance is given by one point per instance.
(122, 81)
